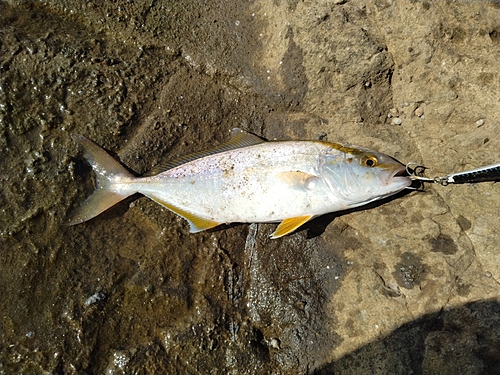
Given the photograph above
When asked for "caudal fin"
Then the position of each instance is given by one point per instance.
(108, 173)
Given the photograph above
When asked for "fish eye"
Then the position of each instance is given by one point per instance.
(369, 161)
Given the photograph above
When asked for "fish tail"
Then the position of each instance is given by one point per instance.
(108, 173)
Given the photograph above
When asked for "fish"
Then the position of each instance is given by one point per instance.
(249, 180)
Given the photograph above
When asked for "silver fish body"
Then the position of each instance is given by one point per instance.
(251, 180)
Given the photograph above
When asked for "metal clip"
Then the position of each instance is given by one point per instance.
(487, 173)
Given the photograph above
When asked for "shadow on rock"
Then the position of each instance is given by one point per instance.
(317, 226)
(462, 340)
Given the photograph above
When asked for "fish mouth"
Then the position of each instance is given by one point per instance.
(400, 177)
(400, 172)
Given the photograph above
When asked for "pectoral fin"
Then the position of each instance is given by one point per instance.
(289, 225)
(298, 179)
(196, 223)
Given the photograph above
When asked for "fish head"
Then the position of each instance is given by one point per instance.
(358, 175)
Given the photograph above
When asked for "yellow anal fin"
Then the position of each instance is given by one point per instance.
(289, 225)
(196, 223)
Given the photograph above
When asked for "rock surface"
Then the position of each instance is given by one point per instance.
(408, 286)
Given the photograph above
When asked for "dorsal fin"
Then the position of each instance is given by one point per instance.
(239, 139)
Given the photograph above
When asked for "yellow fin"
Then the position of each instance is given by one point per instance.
(289, 225)
(196, 223)
(297, 179)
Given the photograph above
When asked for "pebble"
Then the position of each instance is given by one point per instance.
(94, 298)
(275, 343)
(397, 121)
(480, 122)
(393, 112)
(419, 112)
